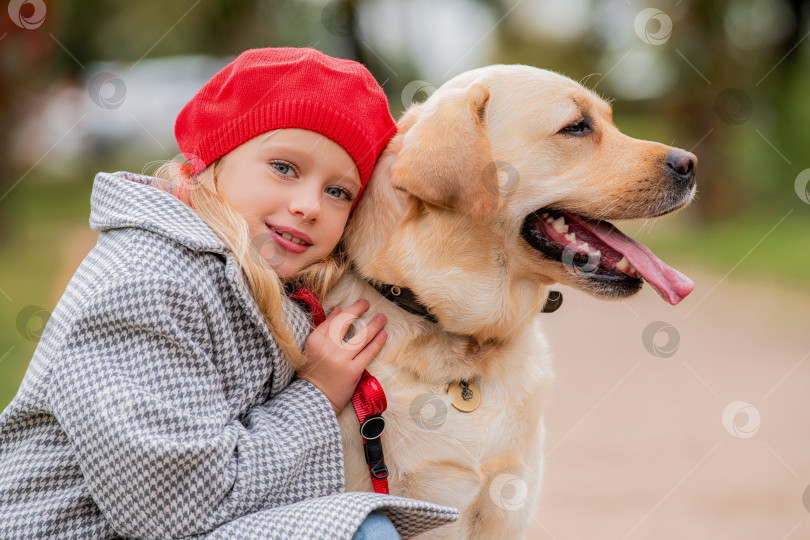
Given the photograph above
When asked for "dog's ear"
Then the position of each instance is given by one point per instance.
(446, 158)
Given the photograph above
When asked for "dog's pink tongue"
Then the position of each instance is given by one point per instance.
(670, 284)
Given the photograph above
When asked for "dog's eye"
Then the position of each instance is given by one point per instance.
(580, 127)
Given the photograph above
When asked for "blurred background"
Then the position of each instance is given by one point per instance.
(666, 422)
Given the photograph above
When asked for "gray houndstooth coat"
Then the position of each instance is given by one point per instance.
(157, 405)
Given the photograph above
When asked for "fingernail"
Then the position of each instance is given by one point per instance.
(380, 317)
(383, 334)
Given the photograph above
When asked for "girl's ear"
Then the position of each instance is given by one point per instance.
(446, 158)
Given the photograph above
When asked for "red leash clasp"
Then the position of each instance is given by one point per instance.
(369, 403)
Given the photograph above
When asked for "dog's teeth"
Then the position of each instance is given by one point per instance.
(623, 264)
(549, 219)
(559, 225)
(584, 246)
(633, 270)
(571, 237)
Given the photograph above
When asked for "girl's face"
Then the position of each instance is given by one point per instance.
(295, 188)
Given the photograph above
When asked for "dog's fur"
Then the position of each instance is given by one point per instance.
(438, 218)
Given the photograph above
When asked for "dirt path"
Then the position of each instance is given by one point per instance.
(637, 447)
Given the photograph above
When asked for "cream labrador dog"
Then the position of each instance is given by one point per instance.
(498, 186)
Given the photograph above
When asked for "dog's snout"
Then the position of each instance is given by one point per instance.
(682, 165)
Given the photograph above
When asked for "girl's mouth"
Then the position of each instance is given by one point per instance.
(287, 241)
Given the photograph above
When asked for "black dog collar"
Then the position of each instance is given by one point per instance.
(407, 300)
(404, 298)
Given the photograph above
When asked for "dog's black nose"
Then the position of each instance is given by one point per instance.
(682, 164)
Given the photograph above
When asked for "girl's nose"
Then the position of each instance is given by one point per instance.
(307, 204)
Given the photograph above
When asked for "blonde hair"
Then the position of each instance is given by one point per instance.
(200, 193)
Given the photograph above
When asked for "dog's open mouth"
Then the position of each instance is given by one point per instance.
(599, 251)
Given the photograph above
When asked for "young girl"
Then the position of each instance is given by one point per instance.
(162, 401)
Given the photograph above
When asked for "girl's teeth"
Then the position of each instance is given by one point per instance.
(289, 237)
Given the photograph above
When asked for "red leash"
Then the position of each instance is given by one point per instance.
(369, 403)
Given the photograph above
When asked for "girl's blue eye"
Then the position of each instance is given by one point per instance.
(282, 168)
(337, 192)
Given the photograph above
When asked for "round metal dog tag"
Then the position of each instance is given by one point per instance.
(466, 396)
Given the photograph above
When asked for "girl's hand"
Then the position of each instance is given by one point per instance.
(333, 365)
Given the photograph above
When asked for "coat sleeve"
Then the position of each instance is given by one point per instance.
(140, 396)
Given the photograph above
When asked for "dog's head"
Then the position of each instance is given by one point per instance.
(504, 180)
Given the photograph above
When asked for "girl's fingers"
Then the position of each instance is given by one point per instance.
(364, 336)
(358, 308)
(339, 326)
(370, 351)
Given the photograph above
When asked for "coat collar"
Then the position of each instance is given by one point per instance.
(128, 200)
(124, 199)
